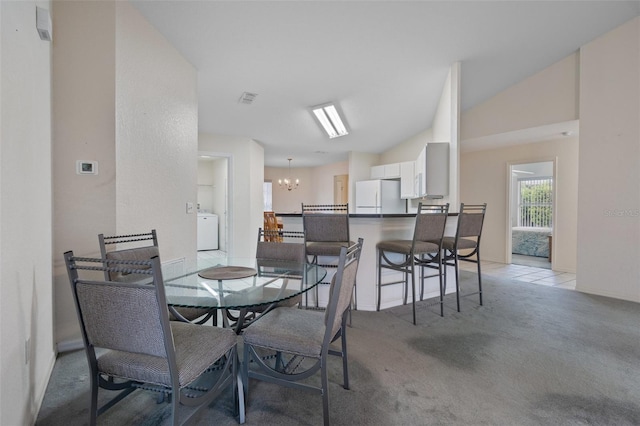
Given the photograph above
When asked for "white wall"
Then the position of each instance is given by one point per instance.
(285, 201)
(446, 128)
(484, 178)
(609, 186)
(25, 214)
(83, 101)
(246, 164)
(316, 185)
(156, 136)
(125, 98)
(547, 97)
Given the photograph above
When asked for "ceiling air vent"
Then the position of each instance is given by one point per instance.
(247, 98)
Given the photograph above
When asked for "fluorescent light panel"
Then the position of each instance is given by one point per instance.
(330, 120)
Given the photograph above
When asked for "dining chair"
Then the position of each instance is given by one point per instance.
(327, 231)
(143, 247)
(282, 260)
(271, 225)
(131, 344)
(295, 336)
(290, 248)
(467, 239)
(423, 251)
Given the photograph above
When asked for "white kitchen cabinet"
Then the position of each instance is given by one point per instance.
(408, 179)
(386, 171)
(377, 172)
(432, 170)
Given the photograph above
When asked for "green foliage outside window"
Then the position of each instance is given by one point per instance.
(536, 198)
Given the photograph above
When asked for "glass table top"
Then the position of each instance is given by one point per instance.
(261, 282)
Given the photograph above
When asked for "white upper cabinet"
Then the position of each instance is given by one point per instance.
(432, 170)
(408, 179)
(377, 172)
(386, 171)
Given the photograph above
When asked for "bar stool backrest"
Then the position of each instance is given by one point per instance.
(430, 222)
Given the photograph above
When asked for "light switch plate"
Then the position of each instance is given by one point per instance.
(189, 208)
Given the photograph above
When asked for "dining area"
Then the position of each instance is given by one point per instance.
(207, 332)
(211, 344)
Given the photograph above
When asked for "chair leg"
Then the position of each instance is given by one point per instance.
(479, 276)
(238, 387)
(379, 280)
(325, 390)
(94, 399)
(241, 407)
(421, 278)
(440, 261)
(406, 287)
(413, 289)
(175, 406)
(246, 360)
(455, 261)
(345, 364)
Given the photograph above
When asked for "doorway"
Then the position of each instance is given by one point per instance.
(213, 194)
(340, 189)
(531, 213)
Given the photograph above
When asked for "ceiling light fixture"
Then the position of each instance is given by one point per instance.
(330, 120)
(288, 183)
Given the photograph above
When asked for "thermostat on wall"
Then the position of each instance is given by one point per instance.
(86, 167)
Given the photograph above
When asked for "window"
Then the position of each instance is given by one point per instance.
(535, 202)
(267, 193)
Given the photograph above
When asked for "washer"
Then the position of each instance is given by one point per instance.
(207, 231)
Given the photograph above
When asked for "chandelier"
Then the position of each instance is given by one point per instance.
(288, 183)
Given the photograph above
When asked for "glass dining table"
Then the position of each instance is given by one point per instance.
(241, 288)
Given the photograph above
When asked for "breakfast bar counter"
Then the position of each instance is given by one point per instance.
(374, 228)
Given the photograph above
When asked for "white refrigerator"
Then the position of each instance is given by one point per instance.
(379, 197)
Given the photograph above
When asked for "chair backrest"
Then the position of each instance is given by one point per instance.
(145, 247)
(341, 289)
(470, 220)
(431, 220)
(291, 249)
(127, 317)
(326, 222)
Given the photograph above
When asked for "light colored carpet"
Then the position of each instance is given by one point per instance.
(532, 355)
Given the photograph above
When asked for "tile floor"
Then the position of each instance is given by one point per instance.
(530, 274)
(534, 275)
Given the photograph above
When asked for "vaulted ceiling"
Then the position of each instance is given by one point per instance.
(383, 62)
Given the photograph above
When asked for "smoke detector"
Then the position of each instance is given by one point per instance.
(247, 98)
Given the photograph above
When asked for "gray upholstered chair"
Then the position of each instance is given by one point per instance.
(130, 342)
(467, 239)
(287, 246)
(327, 230)
(300, 338)
(423, 251)
(144, 247)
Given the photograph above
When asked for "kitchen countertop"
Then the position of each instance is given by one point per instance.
(357, 215)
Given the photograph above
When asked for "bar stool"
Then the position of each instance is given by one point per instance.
(468, 232)
(326, 227)
(423, 251)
